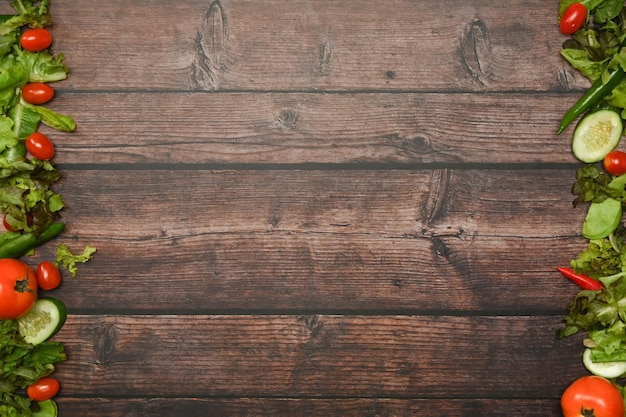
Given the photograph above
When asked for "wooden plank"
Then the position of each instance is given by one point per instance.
(427, 357)
(289, 232)
(258, 274)
(278, 128)
(329, 240)
(288, 407)
(173, 203)
(311, 45)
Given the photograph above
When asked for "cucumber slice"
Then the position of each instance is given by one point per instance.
(602, 219)
(42, 321)
(596, 135)
(603, 369)
(47, 408)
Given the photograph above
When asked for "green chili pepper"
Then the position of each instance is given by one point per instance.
(596, 92)
(22, 244)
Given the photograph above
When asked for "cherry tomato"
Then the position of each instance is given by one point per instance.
(18, 288)
(44, 389)
(615, 163)
(48, 276)
(574, 17)
(592, 395)
(40, 146)
(5, 222)
(37, 93)
(7, 225)
(36, 39)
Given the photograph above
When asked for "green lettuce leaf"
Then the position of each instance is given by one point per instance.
(67, 259)
(42, 66)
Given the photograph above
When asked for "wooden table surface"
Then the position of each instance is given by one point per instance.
(316, 208)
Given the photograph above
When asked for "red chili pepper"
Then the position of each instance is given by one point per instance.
(583, 281)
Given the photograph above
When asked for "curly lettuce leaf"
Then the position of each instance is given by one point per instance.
(30, 13)
(68, 260)
(28, 191)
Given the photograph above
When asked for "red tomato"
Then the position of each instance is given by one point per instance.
(592, 395)
(44, 389)
(37, 93)
(29, 221)
(6, 224)
(18, 288)
(615, 163)
(36, 39)
(40, 146)
(48, 276)
(574, 17)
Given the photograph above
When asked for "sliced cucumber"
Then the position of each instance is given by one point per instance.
(603, 369)
(47, 408)
(596, 135)
(42, 321)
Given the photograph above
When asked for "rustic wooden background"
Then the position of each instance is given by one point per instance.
(316, 208)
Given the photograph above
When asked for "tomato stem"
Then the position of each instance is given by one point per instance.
(22, 285)
(587, 412)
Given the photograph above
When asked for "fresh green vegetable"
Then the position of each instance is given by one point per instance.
(598, 90)
(22, 364)
(23, 243)
(25, 184)
(604, 369)
(68, 260)
(43, 320)
(596, 50)
(602, 219)
(597, 134)
(29, 207)
(47, 408)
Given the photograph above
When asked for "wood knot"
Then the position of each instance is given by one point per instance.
(416, 145)
(210, 46)
(105, 341)
(476, 51)
(287, 118)
(326, 54)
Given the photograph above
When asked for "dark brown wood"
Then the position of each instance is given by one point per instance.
(316, 45)
(277, 128)
(314, 208)
(304, 240)
(287, 407)
(326, 356)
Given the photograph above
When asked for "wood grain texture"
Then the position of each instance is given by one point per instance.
(314, 45)
(277, 128)
(311, 356)
(322, 240)
(287, 407)
(313, 208)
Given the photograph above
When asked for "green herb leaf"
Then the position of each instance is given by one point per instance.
(67, 259)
